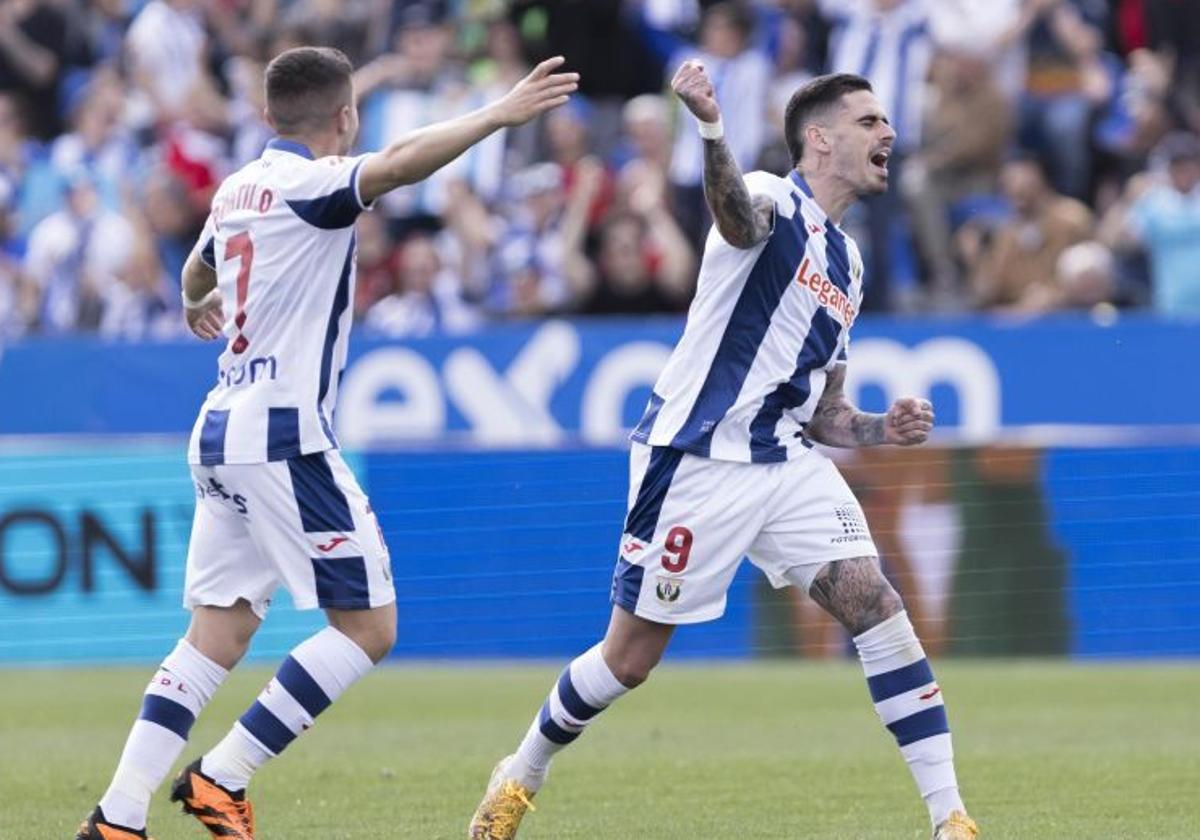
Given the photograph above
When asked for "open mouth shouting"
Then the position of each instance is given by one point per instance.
(879, 160)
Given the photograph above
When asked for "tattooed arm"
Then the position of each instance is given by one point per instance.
(838, 423)
(742, 220)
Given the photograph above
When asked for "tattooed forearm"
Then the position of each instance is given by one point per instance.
(856, 593)
(743, 221)
(842, 425)
(835, 422)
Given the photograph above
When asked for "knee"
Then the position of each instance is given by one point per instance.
(377, 640)
(630, 668)
(374, 631)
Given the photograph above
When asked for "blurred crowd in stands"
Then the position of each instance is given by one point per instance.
(1047, 153)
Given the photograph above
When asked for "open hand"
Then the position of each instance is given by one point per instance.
(537, 93)
(908, 422)
(692, 85)
(207, 320)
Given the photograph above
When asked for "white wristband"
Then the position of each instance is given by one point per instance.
(711, 130)
(189, 304)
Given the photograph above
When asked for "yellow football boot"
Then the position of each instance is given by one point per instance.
(503, 807)
(958, 826)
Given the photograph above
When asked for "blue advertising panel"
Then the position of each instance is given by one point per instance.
(92, 548)
(545, 383)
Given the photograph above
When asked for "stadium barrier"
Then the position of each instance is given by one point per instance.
(1056, 514)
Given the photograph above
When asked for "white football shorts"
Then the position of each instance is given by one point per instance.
(303, 523)
(691, 521)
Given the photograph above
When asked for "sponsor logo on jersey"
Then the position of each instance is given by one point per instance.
(854, 527)
(931, 694)
(826, 292)
(262, 367)
(668, 589)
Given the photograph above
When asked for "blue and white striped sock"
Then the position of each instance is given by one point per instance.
(909, 701)
(183, 684)
(585, 688)
(315, 674)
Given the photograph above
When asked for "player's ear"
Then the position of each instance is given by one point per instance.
(345, 120)
(816, 138)
(269, 121)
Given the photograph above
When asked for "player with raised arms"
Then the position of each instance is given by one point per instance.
(273, 273)
(722, 463)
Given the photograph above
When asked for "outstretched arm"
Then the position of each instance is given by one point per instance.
(420, 153)
(742, 220)
(838, 423)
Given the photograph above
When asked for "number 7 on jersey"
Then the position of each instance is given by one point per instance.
(241, 247)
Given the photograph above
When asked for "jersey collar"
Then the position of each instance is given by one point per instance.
(799, 181)
(281, 145)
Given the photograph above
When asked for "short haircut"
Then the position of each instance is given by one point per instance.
(810, 100)
(306, 86)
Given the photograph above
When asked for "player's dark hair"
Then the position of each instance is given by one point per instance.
(811, 99)
(306, 86)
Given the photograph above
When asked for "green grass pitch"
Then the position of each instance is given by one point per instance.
(1045, 750)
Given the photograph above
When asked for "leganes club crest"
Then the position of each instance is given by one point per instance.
(668, 589)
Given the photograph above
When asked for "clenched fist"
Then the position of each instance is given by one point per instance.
(692, 85)
(908, 422)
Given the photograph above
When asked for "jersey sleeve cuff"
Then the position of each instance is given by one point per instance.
(354, 178)
(208, 254)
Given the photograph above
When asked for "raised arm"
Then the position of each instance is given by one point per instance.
(838, 423)
(420, 153)
(743, 220)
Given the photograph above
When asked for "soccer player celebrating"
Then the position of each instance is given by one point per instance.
(275, 502)
(723, 465)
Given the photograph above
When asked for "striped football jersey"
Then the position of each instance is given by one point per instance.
(280, 236)
(765, 327)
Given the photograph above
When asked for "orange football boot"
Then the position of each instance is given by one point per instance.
(96, 827)
(225, 813)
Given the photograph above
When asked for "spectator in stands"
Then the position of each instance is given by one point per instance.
(790, 72)
(343, 24)
(35, 191)
(1012, 261)
(741, 76)
(1086, 278)
(1066, 81)
(644, 263)
(967, 125)
(568, 144)
(73, 258)
(378, 263)
(426, 298)
(646, 123)
(173, 220)
(167, 46)
(888, 42)
(1161, 213)
(17, 304)
(418, 84)
(34, 54)
(531, 276)
(98, 141)
(494, 73)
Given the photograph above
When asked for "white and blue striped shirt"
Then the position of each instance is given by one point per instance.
(766, 326)
(281, 239)
(892, 49)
